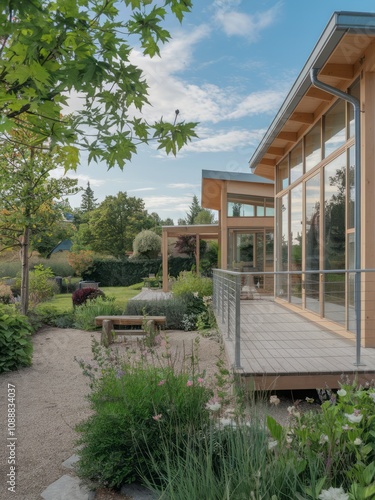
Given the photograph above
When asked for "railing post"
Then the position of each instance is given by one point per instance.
(237, 344)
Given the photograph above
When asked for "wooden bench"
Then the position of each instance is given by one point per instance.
(108, 323)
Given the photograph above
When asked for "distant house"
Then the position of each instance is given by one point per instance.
(245, 203)
(63, 246)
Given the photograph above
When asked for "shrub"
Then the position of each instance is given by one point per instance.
(84, 317)
(146, 245)
(134, 405)
(15, 341)
(80, 261)
(42, 286)
(190, 282)
(128, 272)
(82, 295)
(173, 309)
(6, 295)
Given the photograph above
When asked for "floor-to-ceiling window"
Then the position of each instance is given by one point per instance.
(312, 242)
(334, 238)
(315, 217)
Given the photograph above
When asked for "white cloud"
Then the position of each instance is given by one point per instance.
(225, 141)
(245, 25)
(182, 186)
(266, 101)
(167, 203)
(142, 189)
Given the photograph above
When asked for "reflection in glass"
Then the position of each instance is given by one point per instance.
(334, 128)
(351, 187)
(312, 243)
(296, 243)
(334, 238)
(351, 285)
(282, 175)
(296, 163)
(313, 149)
(283, 238)
(249, 206)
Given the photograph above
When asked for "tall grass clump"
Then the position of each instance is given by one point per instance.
(84, 315)
(229, 461)
(173, 309)
(136, 406)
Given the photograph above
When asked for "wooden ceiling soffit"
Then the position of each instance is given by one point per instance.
(266, 161)
(265, 171)
(272, 150)
(345, 71)
(319, 94)
(288, 136)
(307, 118)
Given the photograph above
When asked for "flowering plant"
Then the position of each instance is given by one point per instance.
(339, 440)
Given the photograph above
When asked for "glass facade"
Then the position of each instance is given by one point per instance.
(249, 206)
(250, 250)
(315, 217)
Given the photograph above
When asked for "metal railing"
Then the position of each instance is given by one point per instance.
(343, 297)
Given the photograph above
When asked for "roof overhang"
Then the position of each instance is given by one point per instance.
(339, 55)
(206, 231)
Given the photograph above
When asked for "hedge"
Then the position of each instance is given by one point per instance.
(129, 272)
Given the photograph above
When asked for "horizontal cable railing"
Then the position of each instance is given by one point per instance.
(341, 297)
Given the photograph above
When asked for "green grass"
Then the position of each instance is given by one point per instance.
(63, 302)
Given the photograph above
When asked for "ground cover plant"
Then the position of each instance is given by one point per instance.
(15, 340)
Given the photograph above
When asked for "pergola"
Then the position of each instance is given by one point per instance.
(200, 231)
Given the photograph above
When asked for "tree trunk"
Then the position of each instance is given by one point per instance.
(25, 271)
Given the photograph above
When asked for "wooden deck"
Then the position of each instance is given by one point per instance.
(283, 350)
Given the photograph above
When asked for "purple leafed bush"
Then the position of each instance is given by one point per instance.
(82, 295)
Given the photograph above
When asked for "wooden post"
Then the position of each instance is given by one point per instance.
(107, 338)
(164, 253)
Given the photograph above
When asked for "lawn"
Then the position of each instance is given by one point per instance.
(63, 301)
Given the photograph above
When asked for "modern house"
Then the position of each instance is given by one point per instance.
(320, 153)
(245, 204)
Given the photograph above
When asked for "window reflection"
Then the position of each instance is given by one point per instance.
(334, 128)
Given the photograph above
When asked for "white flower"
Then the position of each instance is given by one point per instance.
(196, 294)
(292, 410)
(357, 441)
(213, 406)
(323, 439)
(353, 418)
(341, 393)
(225, 422)
(274, 400)
(372, 395)
(272, 444)
(334, 494)
(289, 439)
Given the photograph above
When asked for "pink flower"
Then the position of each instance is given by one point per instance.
(189, 383)
(157, 417)
(200, 380)
(162, 382)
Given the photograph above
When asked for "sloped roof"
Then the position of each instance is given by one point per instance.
(338, 55)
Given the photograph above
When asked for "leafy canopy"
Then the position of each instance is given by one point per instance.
(52, 49)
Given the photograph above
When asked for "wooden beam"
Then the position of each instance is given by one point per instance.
(302, 118)
(319, 94)
(345, 71)
(288, 136)
(275, 151)
(266, 161)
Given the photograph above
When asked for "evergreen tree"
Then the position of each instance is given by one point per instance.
(88, 202)
(194, 210)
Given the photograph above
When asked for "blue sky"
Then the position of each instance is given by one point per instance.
(229, 67)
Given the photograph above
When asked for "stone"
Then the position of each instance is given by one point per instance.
(67, 488)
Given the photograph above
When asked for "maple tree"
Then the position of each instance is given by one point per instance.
(50, 50)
